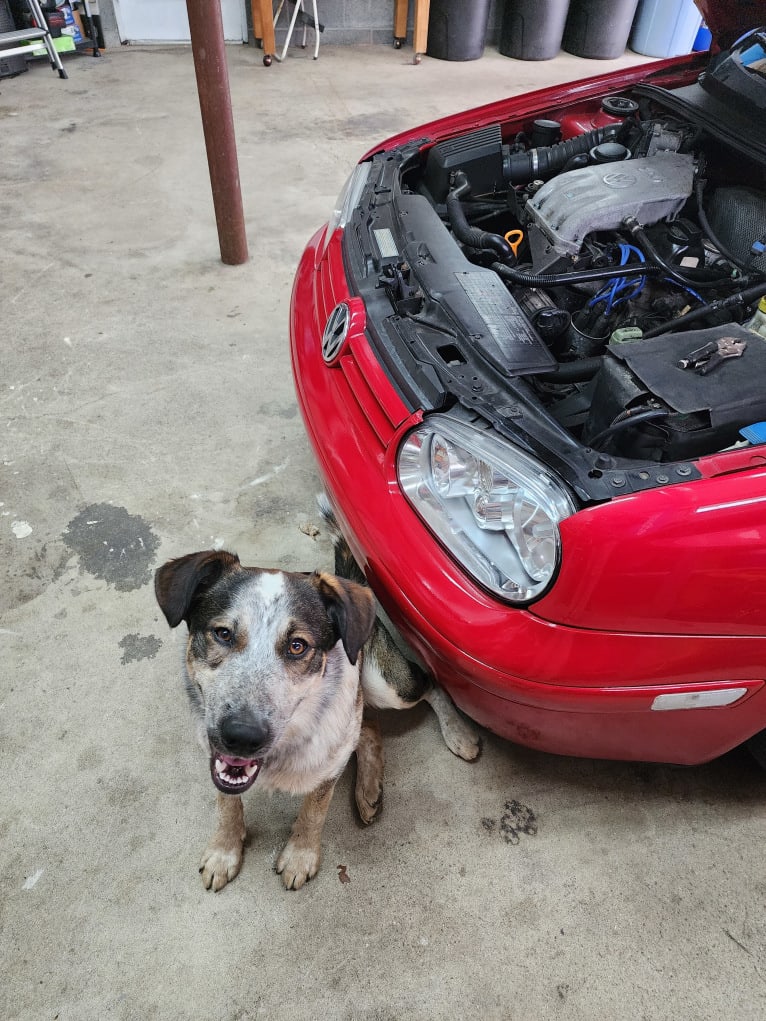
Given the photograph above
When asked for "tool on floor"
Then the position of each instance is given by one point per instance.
(300, 16)
(704, 359)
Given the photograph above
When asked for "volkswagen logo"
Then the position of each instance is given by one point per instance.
(335, 332)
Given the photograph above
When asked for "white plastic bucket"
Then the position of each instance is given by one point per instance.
(665, 28)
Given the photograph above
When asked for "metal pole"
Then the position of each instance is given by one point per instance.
(206, 27)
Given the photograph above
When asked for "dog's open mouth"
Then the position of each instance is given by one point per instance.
(232, 775)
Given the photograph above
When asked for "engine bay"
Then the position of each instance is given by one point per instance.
(591, 278)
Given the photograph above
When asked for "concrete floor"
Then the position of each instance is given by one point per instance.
(147, 410)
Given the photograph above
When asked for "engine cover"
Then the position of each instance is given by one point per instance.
(575, 204)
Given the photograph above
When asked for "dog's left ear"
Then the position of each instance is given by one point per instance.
(350, 607)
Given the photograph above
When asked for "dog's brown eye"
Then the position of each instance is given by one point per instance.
(224, 635)
(297, 648)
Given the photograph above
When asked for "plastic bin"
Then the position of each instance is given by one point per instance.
(533, 29)
(703, 39)
(598, 28)
(457, 29)
(665, 28)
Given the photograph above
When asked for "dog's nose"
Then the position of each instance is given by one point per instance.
(244, 734)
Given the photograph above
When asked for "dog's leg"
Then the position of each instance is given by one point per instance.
(299, 861)
(391, 681)
(459, 736)
(222, 858)
(370, 760)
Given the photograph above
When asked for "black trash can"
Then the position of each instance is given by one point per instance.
(599, 28)
(457, 29)
(532, 29)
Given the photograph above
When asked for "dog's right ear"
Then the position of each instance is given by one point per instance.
(178, 581)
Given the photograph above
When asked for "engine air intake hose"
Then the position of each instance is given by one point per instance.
(523, 167)
(475, 237)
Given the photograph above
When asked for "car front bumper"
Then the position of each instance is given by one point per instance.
(550, 686)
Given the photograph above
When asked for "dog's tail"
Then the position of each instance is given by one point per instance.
(345, 565)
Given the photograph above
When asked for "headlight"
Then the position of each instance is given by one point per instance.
(348, 200)
(495, 508)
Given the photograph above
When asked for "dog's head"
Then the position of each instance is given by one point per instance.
(265, 648)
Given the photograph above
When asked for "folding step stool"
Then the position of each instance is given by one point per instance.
(15, 42)
(306, 21)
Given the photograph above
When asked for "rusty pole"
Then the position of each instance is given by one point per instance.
(206, 27)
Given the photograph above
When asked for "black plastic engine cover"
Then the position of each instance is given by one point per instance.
(705, 412)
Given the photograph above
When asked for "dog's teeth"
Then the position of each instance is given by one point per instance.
(252, 770)
(220, 767)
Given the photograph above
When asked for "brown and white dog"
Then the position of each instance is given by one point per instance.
(279, 667)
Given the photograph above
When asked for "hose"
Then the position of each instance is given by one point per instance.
(739, 300)
(622, 423)
(523, 167)
(572, 372)
(583, 276)
(474, 237)
(699, 279)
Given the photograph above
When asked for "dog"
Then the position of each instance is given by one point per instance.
(279, 669)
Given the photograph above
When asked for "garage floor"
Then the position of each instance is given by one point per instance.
(147, 410)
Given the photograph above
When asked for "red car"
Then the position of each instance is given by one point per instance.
(530, 353)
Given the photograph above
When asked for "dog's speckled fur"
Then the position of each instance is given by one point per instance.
(279, 666)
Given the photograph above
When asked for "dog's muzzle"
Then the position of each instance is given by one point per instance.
(237, 751)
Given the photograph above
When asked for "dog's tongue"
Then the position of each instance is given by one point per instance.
(230, 760)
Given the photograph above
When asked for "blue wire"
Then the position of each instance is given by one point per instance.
(610, 293)
(700, 299)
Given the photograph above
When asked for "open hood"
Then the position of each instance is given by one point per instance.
(729, 19)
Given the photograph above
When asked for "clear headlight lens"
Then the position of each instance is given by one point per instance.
(495, 508)
(348, 200)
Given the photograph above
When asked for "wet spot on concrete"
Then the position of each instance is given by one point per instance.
(135, 647)
(113, 545)
(516, 819)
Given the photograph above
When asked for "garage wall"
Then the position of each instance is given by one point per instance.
(371, 21)
(347, 22)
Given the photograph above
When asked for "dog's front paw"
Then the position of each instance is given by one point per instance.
(220, 864)
(461, 739)
(459, 736)
(369, 797)
(297, 864)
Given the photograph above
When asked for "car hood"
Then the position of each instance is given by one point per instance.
(729, 19)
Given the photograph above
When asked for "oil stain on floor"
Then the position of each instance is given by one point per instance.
(113, 545)
(136, 647)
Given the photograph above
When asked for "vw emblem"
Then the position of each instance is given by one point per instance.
(335, 332)
(619, 179)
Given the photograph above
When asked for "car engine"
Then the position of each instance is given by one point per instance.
(591, 283)
(629, 248)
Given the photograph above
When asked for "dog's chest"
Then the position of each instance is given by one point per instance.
(304, 759)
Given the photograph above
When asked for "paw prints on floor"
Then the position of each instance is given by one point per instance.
(515, 820)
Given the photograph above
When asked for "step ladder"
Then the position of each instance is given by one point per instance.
(305, 20)
(16, 43)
